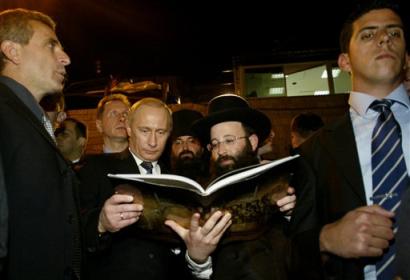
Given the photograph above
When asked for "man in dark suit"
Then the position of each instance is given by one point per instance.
(117, 250)
(355, 231)
(43, 219)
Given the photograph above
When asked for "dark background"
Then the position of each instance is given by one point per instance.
(192, 39)
(183, 37)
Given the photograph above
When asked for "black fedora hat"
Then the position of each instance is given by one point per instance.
(232, 107)
(182, 121)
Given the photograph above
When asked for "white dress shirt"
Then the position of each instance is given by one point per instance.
(364, 120)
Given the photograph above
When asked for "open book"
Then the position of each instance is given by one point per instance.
(249, 193)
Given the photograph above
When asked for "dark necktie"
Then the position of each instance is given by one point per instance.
(147, 166)
(390, 176)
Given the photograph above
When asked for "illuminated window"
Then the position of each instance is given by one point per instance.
(276, 91)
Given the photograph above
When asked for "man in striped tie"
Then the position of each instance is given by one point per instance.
(361, 162)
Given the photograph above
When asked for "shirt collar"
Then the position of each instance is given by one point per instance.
(24, 95)
(139, 160)
(361, 101)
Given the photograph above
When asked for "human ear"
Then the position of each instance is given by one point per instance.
(11, 51)
(344, 62)
(254, 140)
(98, 124)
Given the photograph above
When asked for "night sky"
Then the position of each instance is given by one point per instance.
(132, 37)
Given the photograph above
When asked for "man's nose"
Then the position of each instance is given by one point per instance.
(152, 140)
(63, 58)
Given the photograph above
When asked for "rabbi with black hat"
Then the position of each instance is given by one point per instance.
(188, 156)
(233, 131)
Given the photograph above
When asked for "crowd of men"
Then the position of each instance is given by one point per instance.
(343, 215)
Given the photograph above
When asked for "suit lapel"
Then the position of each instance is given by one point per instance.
(21, 109)
(126, 162)
(340, 143)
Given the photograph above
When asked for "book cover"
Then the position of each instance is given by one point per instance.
(248, 193)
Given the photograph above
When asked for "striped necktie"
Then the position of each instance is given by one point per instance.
(389, 174)
(147, 166)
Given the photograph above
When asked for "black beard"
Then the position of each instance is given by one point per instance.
(245, 158)
(193, 168)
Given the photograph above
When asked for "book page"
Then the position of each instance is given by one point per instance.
(165, 180)
(244, 174)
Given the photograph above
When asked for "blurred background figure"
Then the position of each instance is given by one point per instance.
(54, 106)
(111, 115)
(303, 126)
(71, 139)
(265, 151)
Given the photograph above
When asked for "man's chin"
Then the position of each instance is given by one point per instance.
(227, 166)
(121, 134)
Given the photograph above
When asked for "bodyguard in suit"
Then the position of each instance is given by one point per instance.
(43, 239)
(350, 167)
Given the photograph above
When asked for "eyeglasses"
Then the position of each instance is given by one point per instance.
(228, 140)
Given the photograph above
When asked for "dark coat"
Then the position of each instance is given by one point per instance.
(267, 257)
(40, 187)
(4, 213)
(124, 254)
(402, 238)
(285, 251)
(338, 185)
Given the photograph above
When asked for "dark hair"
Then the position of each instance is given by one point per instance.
(306, 123)
(80, 127)
(361, 8)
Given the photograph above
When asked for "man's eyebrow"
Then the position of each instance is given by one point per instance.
(373, 27)
(54, 41)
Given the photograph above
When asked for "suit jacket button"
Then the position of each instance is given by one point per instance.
(151, 255)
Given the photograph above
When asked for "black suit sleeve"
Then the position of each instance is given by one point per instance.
(95, 189)
(3, 217)
(304, 226)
